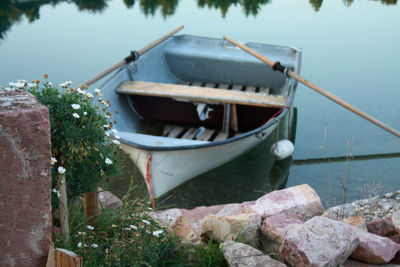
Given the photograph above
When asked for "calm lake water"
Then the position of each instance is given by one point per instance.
(349, 48)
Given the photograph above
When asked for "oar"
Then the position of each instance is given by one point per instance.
(133, 56)
(291, 74)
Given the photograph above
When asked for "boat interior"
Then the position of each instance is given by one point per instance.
(205, 89)
(213, 119)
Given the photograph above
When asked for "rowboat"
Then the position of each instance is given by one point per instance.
(192, 103)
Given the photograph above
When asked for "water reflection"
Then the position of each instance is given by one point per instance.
(12, 11)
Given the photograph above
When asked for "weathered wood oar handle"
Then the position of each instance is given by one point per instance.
(133, 56)
(316, 88)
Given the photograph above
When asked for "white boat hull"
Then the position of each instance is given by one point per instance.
(165, 170)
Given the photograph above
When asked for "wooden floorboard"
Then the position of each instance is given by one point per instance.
(190, 133)
(176, 131)
(221, 136)
(206, 135)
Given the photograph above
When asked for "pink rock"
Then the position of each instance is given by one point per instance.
(301, 201)
(318, 242)
(374, 249)
(273, 231)
(25, 178)
(108, 199)
(382, 227)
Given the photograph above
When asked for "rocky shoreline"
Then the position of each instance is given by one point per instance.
(382, 206)
(290, 227)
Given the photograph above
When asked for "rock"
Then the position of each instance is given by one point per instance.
(108, 199)
(243, 227)
(382, 227)
(273, 231)
(396, 221)
(25, 178)
(195, 216)
(183, 228)
(374, 249)
(166, 218)
(301, 201)
(358, 222)
(353, 263)
(303, 242)
(237, 254)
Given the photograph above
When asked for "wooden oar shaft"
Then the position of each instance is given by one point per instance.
(123, 62)
(318, 89)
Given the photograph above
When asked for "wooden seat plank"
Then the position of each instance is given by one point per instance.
(206, 135)
(201, 94)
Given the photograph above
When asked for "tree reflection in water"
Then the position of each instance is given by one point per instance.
(11, 11)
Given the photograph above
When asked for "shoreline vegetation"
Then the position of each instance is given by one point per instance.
(12, 11)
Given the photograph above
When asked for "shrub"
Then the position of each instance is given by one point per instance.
(81, 136)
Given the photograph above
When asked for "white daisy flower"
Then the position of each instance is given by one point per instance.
(76, 115)
(89, 95)
(85, 113)
(53, 160)
(80, 244)
(146, 222)
(20, 84)
(61, 170)
(94, 245)
(158, 233)
(90, 227)
(76, 106)
(108, 161)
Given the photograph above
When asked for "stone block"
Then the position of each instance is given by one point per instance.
(243, 227)
(299, 201)
(318, 242)
(238, 254)
(25, 178)
(273, 231)
(374, 249)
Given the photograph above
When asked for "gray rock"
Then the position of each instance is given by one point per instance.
(238, 255)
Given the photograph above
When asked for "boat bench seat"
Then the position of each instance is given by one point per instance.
(157, 141)
(202, 94)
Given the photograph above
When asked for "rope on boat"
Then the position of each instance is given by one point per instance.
(132, 57)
